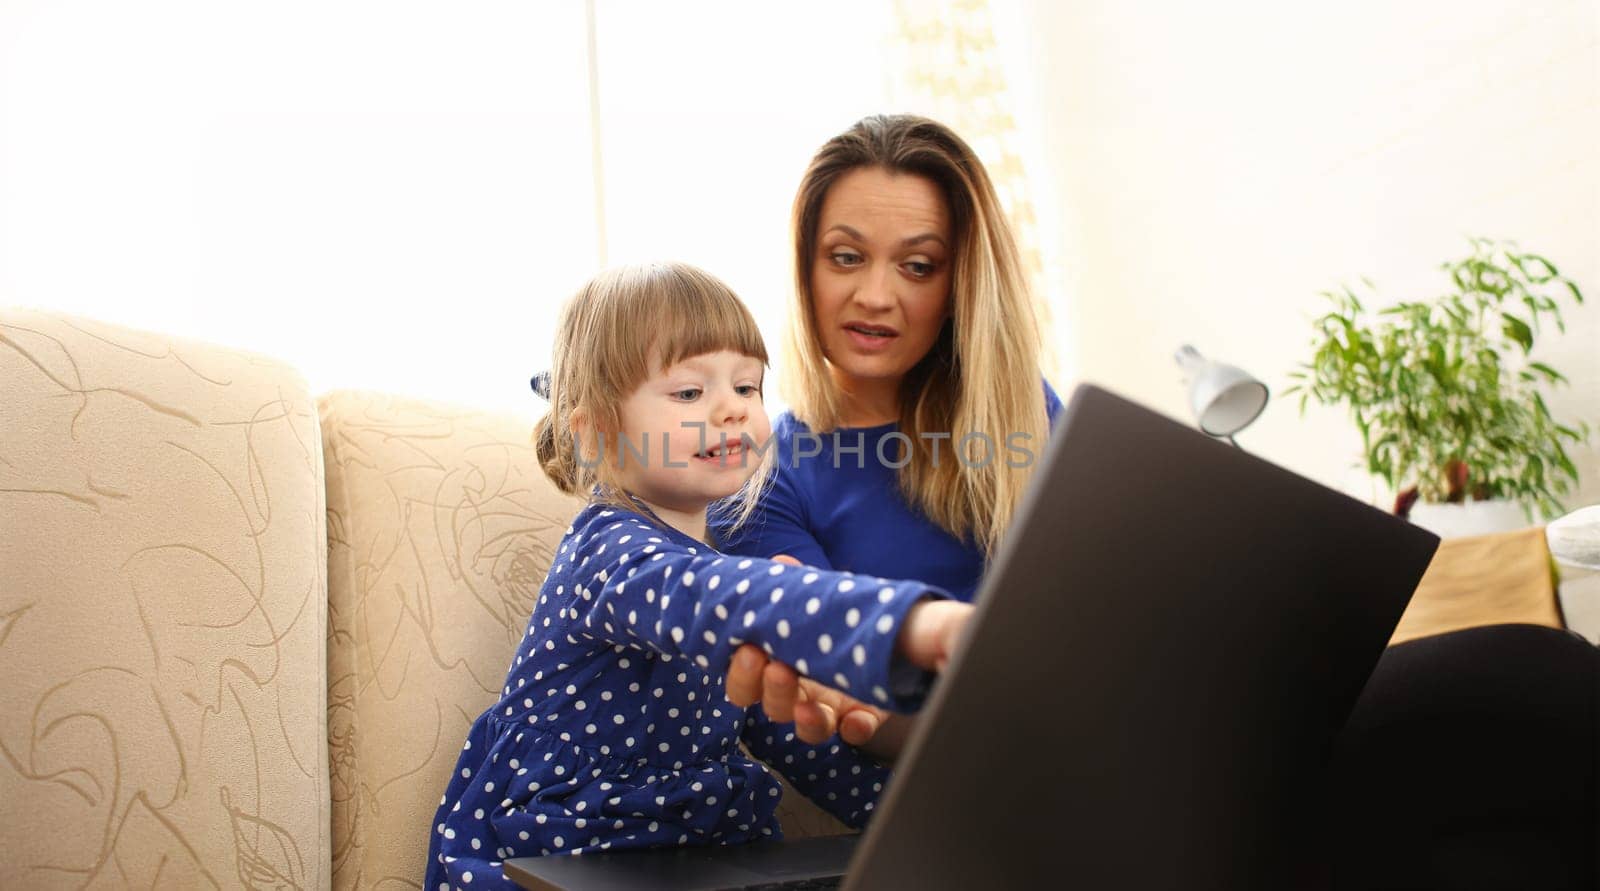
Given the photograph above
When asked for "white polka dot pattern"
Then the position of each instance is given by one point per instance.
(614, 730)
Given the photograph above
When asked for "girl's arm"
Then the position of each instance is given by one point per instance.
(641, 589)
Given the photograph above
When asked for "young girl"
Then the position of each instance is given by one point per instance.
(613, 730)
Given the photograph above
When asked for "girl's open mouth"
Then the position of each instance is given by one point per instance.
(728, 452)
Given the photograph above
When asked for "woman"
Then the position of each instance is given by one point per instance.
(910, 293)
(1468, 753)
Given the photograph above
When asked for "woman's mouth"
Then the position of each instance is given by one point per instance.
(870, 337)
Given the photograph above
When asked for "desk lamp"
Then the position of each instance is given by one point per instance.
(1224, 399)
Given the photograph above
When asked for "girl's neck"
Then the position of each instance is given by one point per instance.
(690, 523)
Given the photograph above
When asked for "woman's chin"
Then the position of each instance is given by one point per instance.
(856, 367)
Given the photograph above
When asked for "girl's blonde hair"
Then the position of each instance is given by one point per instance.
(981, 376)
(607, 336)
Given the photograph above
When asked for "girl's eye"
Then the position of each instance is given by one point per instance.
(748, 390)
(845, 258)
(686, 395)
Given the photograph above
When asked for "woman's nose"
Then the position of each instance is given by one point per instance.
(875, 291)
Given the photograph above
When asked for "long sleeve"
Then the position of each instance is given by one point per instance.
(641, 587)
(841, 779)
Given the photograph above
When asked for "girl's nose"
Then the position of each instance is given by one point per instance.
(731, 409)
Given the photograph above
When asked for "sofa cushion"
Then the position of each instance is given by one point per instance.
(441, 527)
(161, 625)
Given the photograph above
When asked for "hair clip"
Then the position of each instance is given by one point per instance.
(541, 385)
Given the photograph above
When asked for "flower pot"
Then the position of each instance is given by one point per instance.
(1468, 518)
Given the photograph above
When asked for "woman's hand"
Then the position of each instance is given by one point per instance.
(927, 638)
(818, 711)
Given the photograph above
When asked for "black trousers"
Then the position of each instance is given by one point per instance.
(1470, 761)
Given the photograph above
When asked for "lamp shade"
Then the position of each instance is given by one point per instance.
(1575, 538)
(1224, 399)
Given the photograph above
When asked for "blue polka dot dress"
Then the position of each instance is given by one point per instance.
(613, 730)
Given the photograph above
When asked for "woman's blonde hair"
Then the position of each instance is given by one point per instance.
(607, 336)
(982, 375)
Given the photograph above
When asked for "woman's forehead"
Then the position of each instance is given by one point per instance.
(870, 201)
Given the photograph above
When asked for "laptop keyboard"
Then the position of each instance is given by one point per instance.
(796, 885)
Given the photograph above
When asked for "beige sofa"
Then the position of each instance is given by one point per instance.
(243, 630)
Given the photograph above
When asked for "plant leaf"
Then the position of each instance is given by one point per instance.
(1518, 330)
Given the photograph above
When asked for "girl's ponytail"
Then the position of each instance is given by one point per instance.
(555, 454)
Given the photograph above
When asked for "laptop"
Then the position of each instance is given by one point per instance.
(1163, 653)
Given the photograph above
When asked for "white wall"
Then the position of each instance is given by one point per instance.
(1220, 164)
(373, 192)
(399, 195)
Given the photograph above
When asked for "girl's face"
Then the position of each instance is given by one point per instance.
(880, 280)
(692, 433)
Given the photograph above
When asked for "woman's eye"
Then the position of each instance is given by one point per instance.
(919, 270)
(845, 258)
(686, 395)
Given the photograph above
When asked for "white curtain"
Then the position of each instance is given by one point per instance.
(963, 62)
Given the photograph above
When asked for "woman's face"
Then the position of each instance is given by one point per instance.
(880, 280)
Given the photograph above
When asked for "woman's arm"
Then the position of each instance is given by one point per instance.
(780, 524)
(841, 780)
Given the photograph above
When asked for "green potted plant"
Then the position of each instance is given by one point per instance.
(1446, 392)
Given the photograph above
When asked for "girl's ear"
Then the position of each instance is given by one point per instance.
(586, 424)
(582, 429)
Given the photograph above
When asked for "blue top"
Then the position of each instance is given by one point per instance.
(834, 503)
(613, 730)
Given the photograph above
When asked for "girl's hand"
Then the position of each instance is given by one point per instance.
(931, 629)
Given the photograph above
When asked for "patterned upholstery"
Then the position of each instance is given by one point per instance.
(161, 613)
(440, 528)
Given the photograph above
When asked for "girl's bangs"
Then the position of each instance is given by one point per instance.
(703, 318)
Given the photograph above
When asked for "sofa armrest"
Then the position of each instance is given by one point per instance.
(162, 623)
